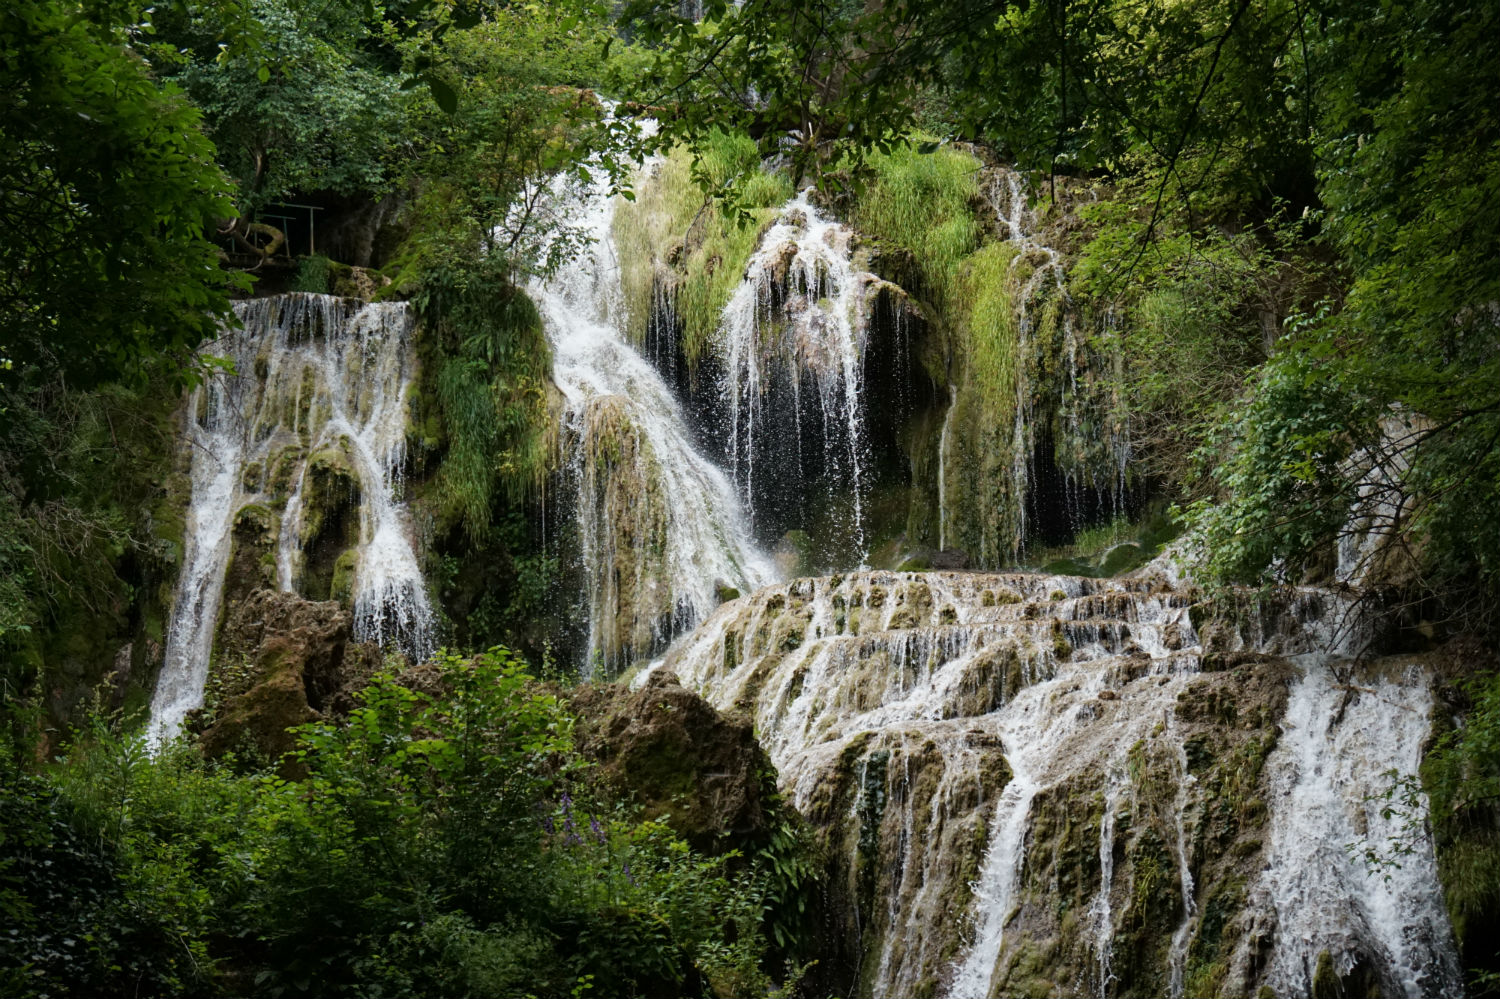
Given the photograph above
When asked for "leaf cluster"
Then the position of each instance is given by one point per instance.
(108, 189)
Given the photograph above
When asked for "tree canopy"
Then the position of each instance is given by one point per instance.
(109, 191)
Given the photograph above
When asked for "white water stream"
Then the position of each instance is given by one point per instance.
(1341, 739)
(652, 509)
(800, 314)
(1078, 685)
(317, 380)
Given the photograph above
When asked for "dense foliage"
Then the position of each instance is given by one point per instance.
(441, 841)
(108, 191)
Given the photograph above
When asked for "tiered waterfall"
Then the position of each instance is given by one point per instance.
(309, 421)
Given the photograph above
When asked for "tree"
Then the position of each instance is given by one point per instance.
(309, 108)
(108, 190)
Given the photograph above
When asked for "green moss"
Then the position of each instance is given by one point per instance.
(920, 203)
(1325, 983)
(345, 568)
(984, 506)
(1123, 558)
(257, 516)
(1208, 955)
(677, 246)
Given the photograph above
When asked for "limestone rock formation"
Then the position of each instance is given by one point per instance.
(283, 661)
(1034, 785)
(672, 752)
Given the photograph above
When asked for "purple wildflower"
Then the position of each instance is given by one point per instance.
(598, 830)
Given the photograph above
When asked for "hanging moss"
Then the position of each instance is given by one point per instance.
(484, 379)
(621, 491)
(679, 251)
(345, 568)
(984, 512)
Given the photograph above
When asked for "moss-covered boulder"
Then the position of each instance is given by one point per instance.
(667, 749)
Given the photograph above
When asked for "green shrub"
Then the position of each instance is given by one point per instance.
(439, 843)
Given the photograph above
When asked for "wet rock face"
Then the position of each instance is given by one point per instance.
(1031, 785)
(669, 750)
(283, 661)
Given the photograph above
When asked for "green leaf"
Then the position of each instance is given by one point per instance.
(443, 94)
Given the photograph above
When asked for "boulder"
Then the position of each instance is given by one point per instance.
(283, 661)
(669, 750)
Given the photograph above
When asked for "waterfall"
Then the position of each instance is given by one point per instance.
(660, 527)
(1059, 442)
(791, 345)
(317, 391)
(1331, 825)
(1069, 802)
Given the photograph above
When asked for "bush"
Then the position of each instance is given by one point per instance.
(440, 844)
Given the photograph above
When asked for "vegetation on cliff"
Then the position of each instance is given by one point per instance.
(1263, 287)
(1312, 164)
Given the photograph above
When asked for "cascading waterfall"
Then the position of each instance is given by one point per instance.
(798, 324)
(1332, 833)
(317, 392)
(661, 529)
(1053, 765)
(1177, 962)
(1061, 440)
(1009, 200)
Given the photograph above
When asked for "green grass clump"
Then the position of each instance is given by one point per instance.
(313, 274)
(985, 327)
(489, 382)
(920, 202)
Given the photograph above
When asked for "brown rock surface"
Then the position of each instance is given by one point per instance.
(290, 661)
(679, 758)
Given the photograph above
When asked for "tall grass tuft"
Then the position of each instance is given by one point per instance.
(920, 202)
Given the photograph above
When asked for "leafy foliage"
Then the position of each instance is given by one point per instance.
(308, 108)
(438, 844)
(107, 188)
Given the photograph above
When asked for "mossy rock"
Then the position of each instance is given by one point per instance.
(259, 718)
(345, 572)
(1124, 558)
(667, 749)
